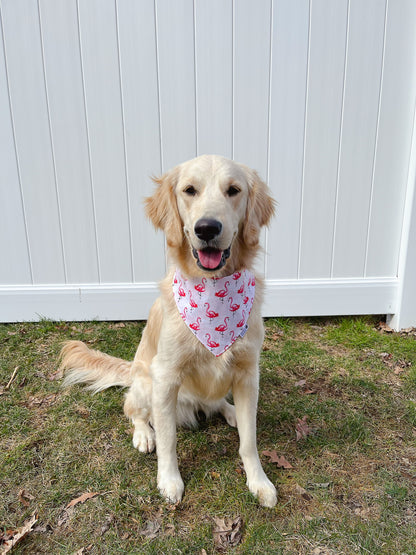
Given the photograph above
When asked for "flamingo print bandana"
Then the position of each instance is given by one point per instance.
(215, 310)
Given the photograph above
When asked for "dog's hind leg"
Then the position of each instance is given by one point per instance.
(137, 407)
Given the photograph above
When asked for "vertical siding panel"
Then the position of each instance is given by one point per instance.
(394, 140)
(288, 90)
(68, 128)
(251, 83)
(32, 138)
(138, 64)
(364, 66)
(14, 248)
(214, 76)
(175, 32)
(324, 106)
(98, 33)
(251, 88)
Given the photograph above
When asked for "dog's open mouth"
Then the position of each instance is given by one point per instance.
(210, 258)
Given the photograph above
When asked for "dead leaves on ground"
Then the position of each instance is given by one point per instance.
(383, 327)
(82, 498)
(279, 460)
(227, 533)
(68, 510)
(25, 497)
(398, 366)
(302, 385)
(9, 539)
(303, 429)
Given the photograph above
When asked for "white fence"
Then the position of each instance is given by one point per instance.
(96, 95)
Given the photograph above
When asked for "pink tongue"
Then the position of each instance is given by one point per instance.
(210, 259)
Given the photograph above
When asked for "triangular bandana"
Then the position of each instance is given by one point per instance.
(215, 310)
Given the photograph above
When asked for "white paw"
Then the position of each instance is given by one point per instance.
(171, 488)
(144, 439)
(265, 492)
(229, 415)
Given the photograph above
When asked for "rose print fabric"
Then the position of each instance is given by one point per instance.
(215, 310)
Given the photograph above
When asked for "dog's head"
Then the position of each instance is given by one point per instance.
(211, 210)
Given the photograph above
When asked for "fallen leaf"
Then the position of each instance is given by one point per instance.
(25, 497)
(227, 532)
(45, 529)
(279, 460)
(303, 430)
(401, 366)
(303, 493)
(82, 498)
(363, 512)
(83, 550)
(408, 331)
(383, 327)
(169, 530)
(300, 383)
(151, 529)
(18, 535)
(320, 485)
(83, 411)
(106, 526)
(47, 400)
(65, 515)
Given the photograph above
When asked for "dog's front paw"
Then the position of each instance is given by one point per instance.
(265, 492)
(144, 439)
(171, 487)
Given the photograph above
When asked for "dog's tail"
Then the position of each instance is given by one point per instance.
(98, 370)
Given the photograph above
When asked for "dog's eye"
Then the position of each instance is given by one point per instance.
(190, 190)
(232, 191)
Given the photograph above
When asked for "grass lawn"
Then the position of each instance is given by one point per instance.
(337, 402)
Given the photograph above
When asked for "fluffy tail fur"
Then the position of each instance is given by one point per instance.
(100, 371)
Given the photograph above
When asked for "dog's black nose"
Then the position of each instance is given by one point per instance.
(206, 229)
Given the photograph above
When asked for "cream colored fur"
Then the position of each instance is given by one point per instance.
(173, 375)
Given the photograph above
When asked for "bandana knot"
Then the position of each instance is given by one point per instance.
(216, 310)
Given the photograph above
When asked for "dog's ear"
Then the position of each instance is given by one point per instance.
(260, 208)
(162, 208)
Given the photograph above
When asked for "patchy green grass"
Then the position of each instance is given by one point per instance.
(351, 488)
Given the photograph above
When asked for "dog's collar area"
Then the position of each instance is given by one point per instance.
(216, 310)
(211, 259)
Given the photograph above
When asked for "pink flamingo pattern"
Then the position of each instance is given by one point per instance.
(191, 301)
(211, 344)
(200, 287)
(222, 293)
(196, 325)
(210, 313)
(221, 316)
(223, 327)
(233, 307)
(241, 323)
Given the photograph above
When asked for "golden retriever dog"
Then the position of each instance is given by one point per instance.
(204, 334)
